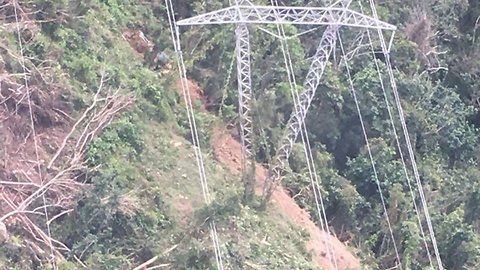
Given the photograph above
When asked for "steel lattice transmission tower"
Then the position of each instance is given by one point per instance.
(244, 13)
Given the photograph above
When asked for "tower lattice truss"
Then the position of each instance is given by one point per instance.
(244, 13)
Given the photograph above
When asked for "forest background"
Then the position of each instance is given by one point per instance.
(112, 139)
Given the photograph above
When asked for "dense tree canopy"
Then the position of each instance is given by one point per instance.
(129, 211)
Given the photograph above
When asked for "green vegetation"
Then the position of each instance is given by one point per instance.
(141, 195)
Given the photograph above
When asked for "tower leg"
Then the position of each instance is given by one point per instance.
(245, 100)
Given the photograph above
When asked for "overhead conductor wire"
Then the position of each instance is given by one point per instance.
(369, 150)
(313, 176)
(194, 132)
(407, 139)
(400, 151)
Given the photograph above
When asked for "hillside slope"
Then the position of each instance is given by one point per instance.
(97, 169)
(111, 141)
(228, 151)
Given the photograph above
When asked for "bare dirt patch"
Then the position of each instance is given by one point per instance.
(185, 208)
(137, 39)
(194, 90)
(227, 150)
(50, 119)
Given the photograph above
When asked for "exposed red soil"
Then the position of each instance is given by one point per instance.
(228, 151)
(138, 40)
(195, 91)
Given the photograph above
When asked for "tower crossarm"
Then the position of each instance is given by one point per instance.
(288, 15)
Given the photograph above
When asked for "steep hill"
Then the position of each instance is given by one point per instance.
(97, 128)
(97, 169)
(228, 151)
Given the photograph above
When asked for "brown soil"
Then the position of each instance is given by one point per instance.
(138, 40)
(228, 151)
(184, 207)
(51, 120)
(18, 147)
(195, 91)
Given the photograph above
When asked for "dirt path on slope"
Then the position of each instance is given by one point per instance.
(228, 151)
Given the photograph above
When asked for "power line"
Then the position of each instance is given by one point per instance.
(306, 142)
(244, 14)
(314, 178)
(372, 161)
(400, 151)
(193, 128)
(407, 139)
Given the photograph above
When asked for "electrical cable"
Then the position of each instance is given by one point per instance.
(407, 139)
(400, 151)
(314, 178)
(175, 34)
(369, 150)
